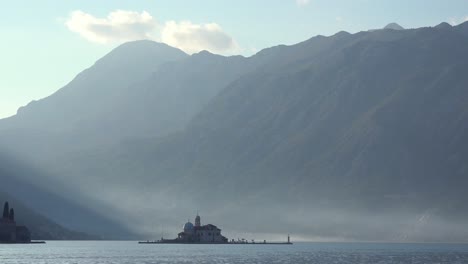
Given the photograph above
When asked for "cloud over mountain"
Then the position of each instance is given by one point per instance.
(123, 25)
(196, 37)
(458, 20)
(118, 26)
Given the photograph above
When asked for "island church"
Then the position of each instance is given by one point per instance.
(10, 232)
(200, 234)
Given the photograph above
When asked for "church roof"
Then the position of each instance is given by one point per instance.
(207, 227)
(188, 226)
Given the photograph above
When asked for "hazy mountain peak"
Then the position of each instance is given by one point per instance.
(342, 34)
(141, 49)
(204, 54)
(444, 25)
(463, 27)
(394, 26)
(147, 44)
(99, 86)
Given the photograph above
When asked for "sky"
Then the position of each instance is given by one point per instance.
(44, 44)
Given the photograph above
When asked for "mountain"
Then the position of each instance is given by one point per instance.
(140, 89)
(92, 93)
(444, 25)
(348, 137)
(462, 29)
(167, 100)
(80, 114)
(394, 26)
(365, 129)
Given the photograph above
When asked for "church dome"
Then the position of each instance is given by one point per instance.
(188, 227)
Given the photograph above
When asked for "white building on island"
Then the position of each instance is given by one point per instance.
(200, 234)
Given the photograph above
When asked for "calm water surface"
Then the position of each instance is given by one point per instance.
(55, 252)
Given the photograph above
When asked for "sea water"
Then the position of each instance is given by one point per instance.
(84, 252)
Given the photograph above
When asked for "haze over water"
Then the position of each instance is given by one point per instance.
(120, 252)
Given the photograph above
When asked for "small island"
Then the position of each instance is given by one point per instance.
(10, 232)
(205, 234)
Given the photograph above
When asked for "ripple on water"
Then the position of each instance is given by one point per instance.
(107, 252)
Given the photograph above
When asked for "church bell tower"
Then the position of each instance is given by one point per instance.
(197, 220)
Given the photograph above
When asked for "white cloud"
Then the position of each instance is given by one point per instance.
(121, 26)
(456, 21)
(118, 26)
(302, 2)
(196, 37)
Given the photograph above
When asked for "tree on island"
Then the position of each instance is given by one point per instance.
(11, 216)
(6, 211)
